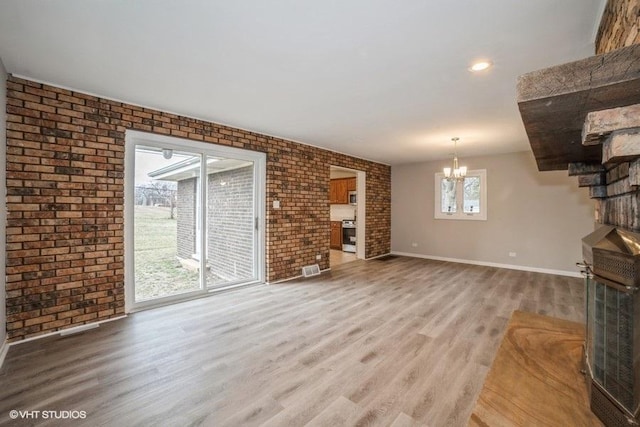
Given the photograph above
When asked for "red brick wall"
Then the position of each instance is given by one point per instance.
(619, 26)
(65, 234)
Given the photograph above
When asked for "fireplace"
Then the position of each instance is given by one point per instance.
(612, 347)
(584, 116)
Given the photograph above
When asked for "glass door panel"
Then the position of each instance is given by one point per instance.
(230, 222)
(166, 218)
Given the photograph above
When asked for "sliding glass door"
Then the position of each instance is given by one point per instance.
(194, 218)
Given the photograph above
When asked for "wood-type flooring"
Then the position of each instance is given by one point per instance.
(535, 378)
(394, 342)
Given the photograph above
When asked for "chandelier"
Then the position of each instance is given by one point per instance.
(457, 173)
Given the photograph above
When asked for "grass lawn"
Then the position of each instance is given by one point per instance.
(158, 271)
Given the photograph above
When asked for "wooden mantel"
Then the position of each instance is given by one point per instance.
(555, 101)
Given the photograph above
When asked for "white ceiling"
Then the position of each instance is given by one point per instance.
(379, 79)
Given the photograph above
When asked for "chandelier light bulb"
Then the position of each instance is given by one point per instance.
(455, 173)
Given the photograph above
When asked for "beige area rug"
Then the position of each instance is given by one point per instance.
(535, 379)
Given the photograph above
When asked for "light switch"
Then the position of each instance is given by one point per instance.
(276, 204)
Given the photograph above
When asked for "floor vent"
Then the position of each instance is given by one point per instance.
(310, 270)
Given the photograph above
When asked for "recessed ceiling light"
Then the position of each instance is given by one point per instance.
(480, 66)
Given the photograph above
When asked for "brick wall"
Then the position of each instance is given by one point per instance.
(186, 213)
(619, 26)
(621, 205)
(231, 225)
(65, 235)
(3, 129)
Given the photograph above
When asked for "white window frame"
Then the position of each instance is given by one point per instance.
(459, 214)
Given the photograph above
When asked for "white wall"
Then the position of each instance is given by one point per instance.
(3, 213)
(336, 173)
(541, 216)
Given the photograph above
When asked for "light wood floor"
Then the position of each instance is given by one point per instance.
(339, 257)
(535, 378)
(401, 342)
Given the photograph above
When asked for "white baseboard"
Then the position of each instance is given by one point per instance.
(492, 264)
(379, 256)
(322, 271)
(288, 279)
(78, 329)
(4, 348)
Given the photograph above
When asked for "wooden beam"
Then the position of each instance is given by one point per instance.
(621, 146)
(599, 124)
(555, 101)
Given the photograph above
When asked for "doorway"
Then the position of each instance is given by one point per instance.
(194, 217)
(347, 214)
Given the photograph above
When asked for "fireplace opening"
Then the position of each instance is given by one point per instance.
(612, 347)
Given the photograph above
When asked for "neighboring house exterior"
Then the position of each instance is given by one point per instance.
(230, 221)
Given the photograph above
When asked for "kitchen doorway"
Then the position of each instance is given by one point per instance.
(347, 215)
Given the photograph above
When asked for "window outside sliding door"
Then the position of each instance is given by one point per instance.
(193, 221)
(231, 223)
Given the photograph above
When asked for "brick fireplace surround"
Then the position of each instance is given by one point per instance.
(585, 117)
(617, 197)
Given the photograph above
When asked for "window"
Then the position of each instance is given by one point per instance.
(464, 199)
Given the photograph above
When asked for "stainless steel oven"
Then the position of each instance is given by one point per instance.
(349, 235)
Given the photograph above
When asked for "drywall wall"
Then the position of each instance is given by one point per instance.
(3, 210)
(541, 216)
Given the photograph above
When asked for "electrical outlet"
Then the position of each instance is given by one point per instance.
(414, 244)
(512, 254)
(318, 257)
(276, 204)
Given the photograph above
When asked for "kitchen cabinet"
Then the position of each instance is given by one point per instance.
(351, 184)
(336, 235)
(339, 191)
